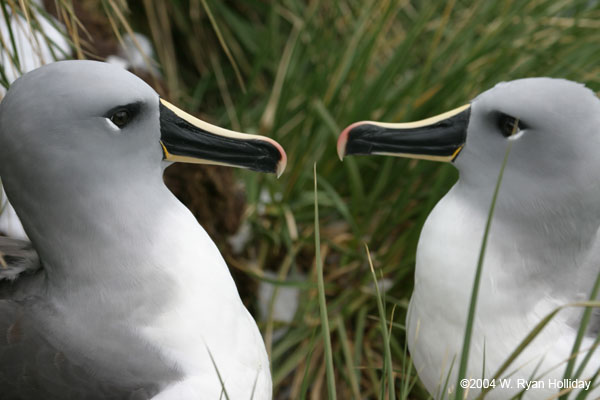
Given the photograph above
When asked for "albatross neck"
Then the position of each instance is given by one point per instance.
(123, 236)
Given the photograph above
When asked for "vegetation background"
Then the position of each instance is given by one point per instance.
(299, 71)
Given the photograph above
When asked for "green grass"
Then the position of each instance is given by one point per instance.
(300, 71)
(322, 301)
(388, 370)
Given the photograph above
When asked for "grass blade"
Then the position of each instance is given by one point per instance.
(348, 357)
(464, 358)
(384, 331)
(305, 381)
(587, 315)
(224, 391)
(322, 302)
(215, 26)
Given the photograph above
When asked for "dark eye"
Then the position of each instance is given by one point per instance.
(509, 126)
(120, 117)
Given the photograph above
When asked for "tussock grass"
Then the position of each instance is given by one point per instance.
(299, 71)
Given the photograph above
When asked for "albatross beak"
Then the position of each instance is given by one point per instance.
(185, 138)
(439, 138)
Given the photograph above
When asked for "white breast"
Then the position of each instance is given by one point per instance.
(208, 319)
(507, 309)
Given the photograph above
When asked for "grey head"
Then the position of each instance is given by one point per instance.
(58, 130)
(553, 128)
(68, 115)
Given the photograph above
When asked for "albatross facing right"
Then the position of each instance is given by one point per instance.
(130, 298)
(544, 244)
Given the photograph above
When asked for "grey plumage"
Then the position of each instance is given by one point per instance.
(31, 364)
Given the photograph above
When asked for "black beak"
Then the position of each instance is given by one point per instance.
(185, 138)
(440, 138)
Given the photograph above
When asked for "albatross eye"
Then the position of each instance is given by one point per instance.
(120, 117)
(509, 126)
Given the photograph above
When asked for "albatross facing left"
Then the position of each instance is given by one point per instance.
(544, 245)
(129, 297)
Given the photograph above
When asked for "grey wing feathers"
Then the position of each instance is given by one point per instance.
(31, 368)
(17, 257)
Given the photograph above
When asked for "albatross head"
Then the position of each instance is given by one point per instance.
(73, 118)
(551, 125)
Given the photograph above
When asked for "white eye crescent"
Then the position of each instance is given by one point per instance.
(111, 125)
(516, 135)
